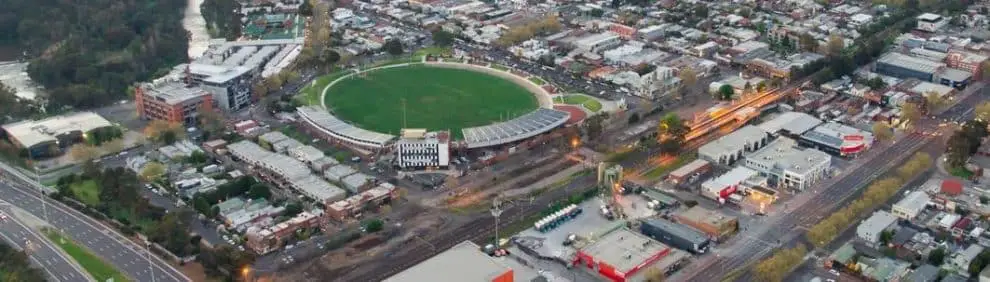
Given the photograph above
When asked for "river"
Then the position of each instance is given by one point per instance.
(193, 22)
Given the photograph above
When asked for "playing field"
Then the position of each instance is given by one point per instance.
(435, 98)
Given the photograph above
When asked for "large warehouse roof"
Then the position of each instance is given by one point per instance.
(793, 122)
(912, 63)
(464, 262)
(529, 125)
(342, 130)
(30, 132)
(625, 250)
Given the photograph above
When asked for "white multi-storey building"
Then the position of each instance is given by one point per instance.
(788, 166)
(417, 151)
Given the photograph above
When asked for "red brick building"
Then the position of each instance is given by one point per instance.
(172, 100)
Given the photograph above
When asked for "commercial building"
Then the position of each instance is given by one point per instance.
(713, 223)
(931, 22)
(43, 137)
(730, 148)
(284, 171)
(598, 42)
(266, 240)
(909, 207)
(228, 68)
(904, 66)
(429, 150)
(790, 124)
(466, 262)
(689, 172)
(966, 61)
(677, 235)
(788, 166)
(355, 205)
(869, 230)
(172, 100)
(837, 139)
(719, 188)
(621, 253)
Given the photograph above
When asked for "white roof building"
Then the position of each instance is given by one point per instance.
(869, 230)
(730, 148)
(909, 207)
(789, 165)
(721, 186)
(30, 133)
(790, 123)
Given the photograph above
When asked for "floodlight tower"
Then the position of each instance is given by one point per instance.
(496, 212)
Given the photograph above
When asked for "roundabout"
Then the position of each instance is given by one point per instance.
(434, 96)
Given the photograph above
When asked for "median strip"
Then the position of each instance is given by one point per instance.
(96, 267)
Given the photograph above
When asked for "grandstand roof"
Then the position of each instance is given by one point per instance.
(529, 125)
(342, 130)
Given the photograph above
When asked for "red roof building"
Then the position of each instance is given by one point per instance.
(952, 187)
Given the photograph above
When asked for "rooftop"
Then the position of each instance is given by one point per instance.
(539, 121)
(471, 265)
(878, 221)
(735, 141)
(792, 122)
(318, 189)
(689, 168)
(624, 249)
(679, 230)
(323, 119)
(32, 132)
(838, 135)
(703, 215)
(784, 155)
(909, 62)
(732, 177)
(917, 200)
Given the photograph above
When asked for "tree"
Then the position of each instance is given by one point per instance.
(937, 256)
(259, 89)
(876, 83)
(633, 118)
(655, 275)
(17, 266)
(835, 45)
(292, 209)
(594, 125)
(393, 47)
(882, 131)
(443, 38)
(259, 191)
(306, 8)
(807, 42)
(670, 133)
(701, 11)
(982, 111)
(274, 83)
(688, 78)
(374, 225)
(163, 132)
(886, 236)
(83, 152)
(197, 157)
(910, 112)
(152, 171)
(933, 101)
(726, 92)
(761, 87)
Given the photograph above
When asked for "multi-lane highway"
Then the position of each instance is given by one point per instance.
(55, 264)
(128, 257)
(785, 227)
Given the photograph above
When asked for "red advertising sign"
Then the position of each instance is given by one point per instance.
(853, 137)
(727, 191)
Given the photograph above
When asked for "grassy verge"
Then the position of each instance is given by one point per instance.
(95, 266)
(537, 80)
(499, 67)
(436, 51)
(662, 170)
(961, 172)
(87, 191)
(592, 105)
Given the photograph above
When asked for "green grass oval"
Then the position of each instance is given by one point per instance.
(436, 98)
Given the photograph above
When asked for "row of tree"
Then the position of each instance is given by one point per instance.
(965, 142)
(878, 192)
(776, 267)
(525, 32)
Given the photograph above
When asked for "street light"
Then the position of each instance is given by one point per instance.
(246, 272)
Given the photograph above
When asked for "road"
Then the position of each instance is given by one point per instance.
(128, 257)
(55, 264)
(786, 227)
